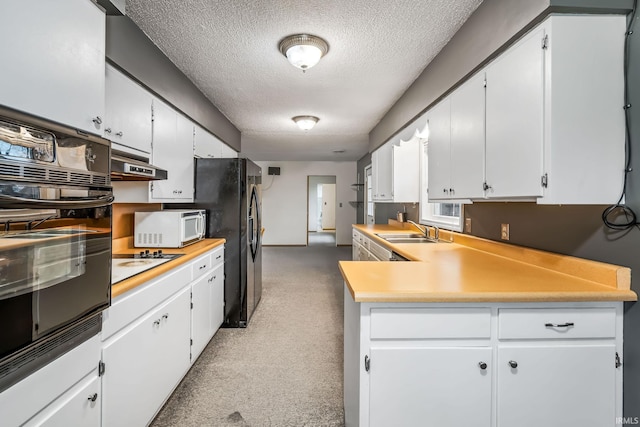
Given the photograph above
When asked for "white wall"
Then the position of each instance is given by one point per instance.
(313, 198)
(284, 200)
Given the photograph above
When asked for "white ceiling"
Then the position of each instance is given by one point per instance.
(229, 49)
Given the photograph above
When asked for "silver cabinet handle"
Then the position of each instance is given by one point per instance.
(119, 133)
(513, 364)
(97, 120)
(482, 365)
(156, 322)
(203, 266)
(93, 397)
(165, 316)
(559, 325)
(107, 130)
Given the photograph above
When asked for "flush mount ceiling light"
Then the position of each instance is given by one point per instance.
(303, 50)
(305, 122)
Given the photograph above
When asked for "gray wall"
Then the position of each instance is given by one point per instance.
(361, 208)
(133, 52)
(571, 230)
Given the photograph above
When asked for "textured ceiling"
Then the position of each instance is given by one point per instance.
(229, 49)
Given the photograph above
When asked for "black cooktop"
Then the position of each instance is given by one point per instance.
(158, 254)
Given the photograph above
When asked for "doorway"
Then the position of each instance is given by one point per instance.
(321, 210)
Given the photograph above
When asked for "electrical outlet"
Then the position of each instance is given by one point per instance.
(504, 231)
(467, 225)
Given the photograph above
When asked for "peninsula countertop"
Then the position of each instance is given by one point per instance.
(464, 268)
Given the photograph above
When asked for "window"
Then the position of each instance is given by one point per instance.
(445, 215)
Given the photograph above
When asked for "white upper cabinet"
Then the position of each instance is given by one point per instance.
(456, 143)
(584, 116)
(172, 150)
(53, 61)
(406, 171)
(128, 112)
(515, 88)
(548, 126)
(555, 123)
(467, 139)
(206, 145)
(439, 150)
(381, 170)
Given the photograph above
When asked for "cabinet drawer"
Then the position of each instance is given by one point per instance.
(430, 323)
(201, 266)
(217, 256)
(561, 323)
(129, 306)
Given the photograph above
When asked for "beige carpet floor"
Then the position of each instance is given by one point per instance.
(285, 368)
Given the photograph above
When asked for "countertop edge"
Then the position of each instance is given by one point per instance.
(189, 253)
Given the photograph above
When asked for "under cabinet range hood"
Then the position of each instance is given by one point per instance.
(130, 167)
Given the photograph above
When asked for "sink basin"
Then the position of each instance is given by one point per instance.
(387, 236)
(420, 239)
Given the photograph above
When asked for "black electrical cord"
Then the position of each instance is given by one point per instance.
(611, 214)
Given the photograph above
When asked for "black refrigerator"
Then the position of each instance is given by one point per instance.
(229, 190)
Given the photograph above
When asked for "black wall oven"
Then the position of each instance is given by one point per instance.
(55, 241)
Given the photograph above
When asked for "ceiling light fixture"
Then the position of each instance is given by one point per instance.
(303, 50)
(305, 122)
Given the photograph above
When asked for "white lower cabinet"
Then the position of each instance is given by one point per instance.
(145, 362)
(65, 392)
(152, 335)
(486, 365)
(79, 407)
(440, 386)
(207, 309)
(556, 385)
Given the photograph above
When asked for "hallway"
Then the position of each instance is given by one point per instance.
(285, 369)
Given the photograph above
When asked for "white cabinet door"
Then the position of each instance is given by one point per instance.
(78, 407)
(173, 151)
(128, 111)
(439, 151)
(467, 139)
(406, 171)
(444, 387)
(381, 170)
(53, 61)
(217, 299)
(207, 309)
(145, 362)
(200, 314)
(206, 145)
(514, 122)
(559, 386)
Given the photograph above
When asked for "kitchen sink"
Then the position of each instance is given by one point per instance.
(420, 239)
(405, 238)
(399, 235)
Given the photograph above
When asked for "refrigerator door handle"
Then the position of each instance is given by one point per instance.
(250, 231)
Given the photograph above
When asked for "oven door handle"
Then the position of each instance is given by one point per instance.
(7, 201)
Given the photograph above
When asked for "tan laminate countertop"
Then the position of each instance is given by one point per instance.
(477, 270)
(189, 253)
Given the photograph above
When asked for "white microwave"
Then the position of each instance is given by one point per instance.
(171, 228)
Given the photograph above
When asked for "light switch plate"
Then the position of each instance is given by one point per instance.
(504, 231)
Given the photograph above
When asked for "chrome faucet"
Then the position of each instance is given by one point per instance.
(425, 230)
